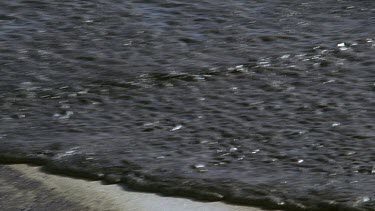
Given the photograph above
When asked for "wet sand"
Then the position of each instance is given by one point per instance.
(24, 187)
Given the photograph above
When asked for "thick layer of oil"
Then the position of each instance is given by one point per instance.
(268, 103)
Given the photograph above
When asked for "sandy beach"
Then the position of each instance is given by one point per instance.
(24, 187)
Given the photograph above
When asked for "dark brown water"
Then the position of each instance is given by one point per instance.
(268, 103)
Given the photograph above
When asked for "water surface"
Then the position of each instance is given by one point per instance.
(263, 102)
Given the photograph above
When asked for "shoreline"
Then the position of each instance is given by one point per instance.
(24, 187)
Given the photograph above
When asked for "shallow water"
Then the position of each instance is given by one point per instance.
(267, 103)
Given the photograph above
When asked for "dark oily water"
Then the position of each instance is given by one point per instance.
(268, 103)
